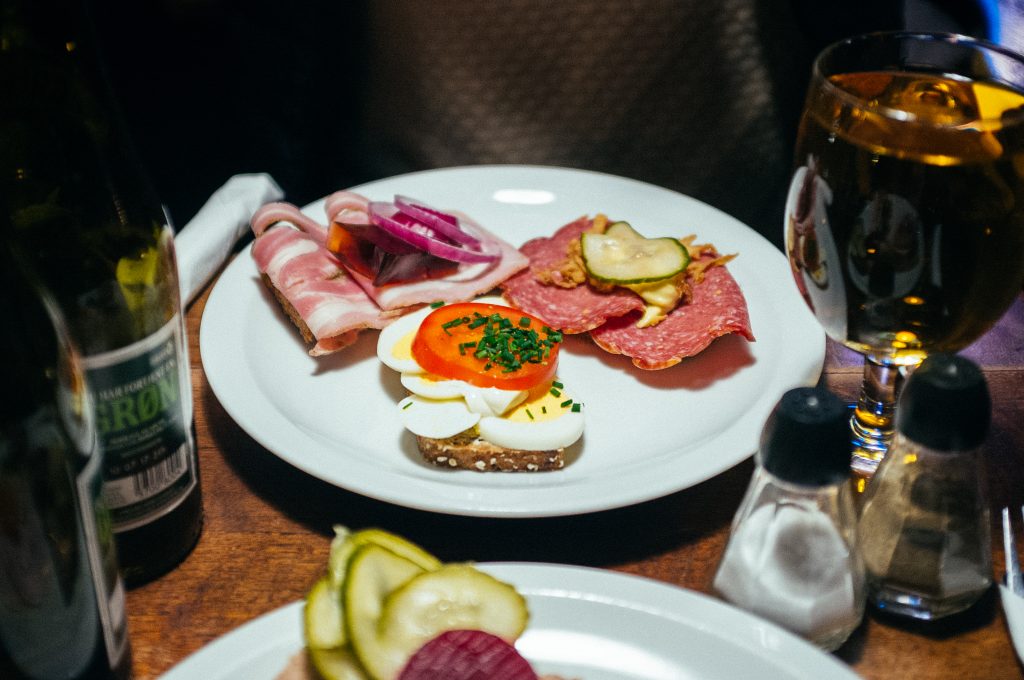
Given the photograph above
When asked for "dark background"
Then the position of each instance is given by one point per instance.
(701, 97)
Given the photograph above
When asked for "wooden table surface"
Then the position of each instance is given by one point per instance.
(268, 526)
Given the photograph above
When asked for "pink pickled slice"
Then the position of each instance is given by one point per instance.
(441, 222)
(401, 226)
(467, 655)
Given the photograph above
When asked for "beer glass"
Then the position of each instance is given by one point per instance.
(904, 222)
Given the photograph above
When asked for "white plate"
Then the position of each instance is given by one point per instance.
(648, 433)
(585, 623)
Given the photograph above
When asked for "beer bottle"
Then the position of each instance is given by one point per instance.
(62, 601)
(83, 214)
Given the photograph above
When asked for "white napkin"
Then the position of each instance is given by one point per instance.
(1013, 607)
(206, 240)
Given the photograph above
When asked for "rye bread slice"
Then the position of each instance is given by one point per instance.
(467, 451)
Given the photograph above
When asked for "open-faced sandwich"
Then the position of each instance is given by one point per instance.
(655, 300)
(385, 609)
(372, 262)
(484, 393)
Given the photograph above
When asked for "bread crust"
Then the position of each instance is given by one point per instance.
(292, 313)
(467, 451)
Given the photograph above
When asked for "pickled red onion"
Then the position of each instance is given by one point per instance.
(441, 222)
(390, 219)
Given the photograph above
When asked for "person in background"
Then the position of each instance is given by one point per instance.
(699, 97)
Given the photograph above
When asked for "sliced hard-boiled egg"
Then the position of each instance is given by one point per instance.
(394, 344)
(510, 398)
(437, 419)
(547, 419)
(489, 401)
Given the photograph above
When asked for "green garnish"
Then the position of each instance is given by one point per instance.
(543, 409)
(565, 403)
(507, 345)
(407, 405)
(435, 305)
(557, 384)
(576, 407)
(529, 414)
(554, 392)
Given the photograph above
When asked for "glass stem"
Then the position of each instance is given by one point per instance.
(872, 420)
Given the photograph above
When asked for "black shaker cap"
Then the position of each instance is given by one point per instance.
(945, 404)
(807, 438)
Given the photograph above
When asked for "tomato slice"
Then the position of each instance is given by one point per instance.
(487, 345)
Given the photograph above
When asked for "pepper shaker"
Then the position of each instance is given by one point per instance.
(924, 527)
(791, 556)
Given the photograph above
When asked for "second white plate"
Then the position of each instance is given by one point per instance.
(647, 434)
(590, 624)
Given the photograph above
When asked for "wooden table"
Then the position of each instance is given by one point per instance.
(268, 526)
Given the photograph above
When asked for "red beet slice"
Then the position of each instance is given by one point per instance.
(467, 655)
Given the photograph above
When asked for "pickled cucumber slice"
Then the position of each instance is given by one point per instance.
(346, 543)
(623, 256)
(323, 625)
(336, 664)
(373, 573)
(454, 597)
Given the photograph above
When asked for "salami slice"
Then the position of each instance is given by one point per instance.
(717, 308)
(570, 310)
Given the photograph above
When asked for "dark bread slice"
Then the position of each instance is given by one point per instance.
(292, 313)
(468, 451)
(317, 346)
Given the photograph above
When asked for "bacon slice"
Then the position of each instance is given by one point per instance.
(465, 283)
(570, 310)
(327, 306)
(716, 308)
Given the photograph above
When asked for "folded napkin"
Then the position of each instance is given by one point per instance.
(206, 241)
(1013, 607)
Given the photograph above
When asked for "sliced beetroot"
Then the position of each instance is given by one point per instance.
(467, 655)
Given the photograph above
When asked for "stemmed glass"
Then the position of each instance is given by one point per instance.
(904, 223)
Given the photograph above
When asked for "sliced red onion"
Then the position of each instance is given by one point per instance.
(397, 224)
(380, 238)
(441, 222)
(467, 655)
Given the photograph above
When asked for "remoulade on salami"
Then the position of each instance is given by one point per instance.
(717, 308)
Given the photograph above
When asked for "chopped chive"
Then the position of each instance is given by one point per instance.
(555, 393)
(557, 384)
(543, 409)
(529, 414)
(407, 405)
(565, 403)
(524, 322)
(576, 407)
(435, 305)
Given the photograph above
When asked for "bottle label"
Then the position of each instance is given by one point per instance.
(143, 403)
(106, 579)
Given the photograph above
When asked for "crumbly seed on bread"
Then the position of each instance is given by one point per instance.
(467, 451)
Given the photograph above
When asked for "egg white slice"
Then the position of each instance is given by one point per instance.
(394, 344)
(487, 401)
(437, 419)
(546, 435)
(540, 423)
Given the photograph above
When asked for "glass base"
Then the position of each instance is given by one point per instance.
(919, 606)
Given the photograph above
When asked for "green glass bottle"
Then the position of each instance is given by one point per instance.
(84, 216)
(62, 600)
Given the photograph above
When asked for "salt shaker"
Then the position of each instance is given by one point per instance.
(791, 556)
(924, 528)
